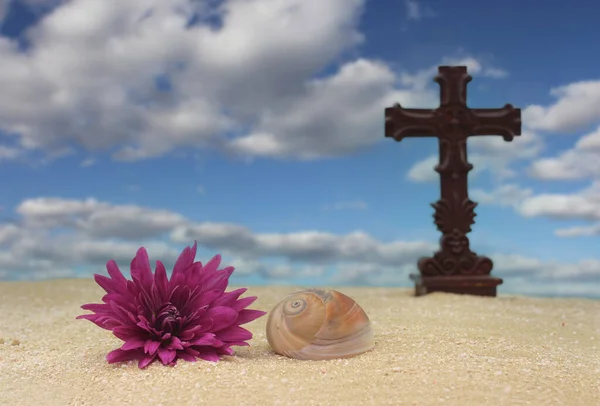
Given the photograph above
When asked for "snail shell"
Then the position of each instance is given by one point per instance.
(319, 324)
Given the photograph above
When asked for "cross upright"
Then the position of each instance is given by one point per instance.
(454, 268)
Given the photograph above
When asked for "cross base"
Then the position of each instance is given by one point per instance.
(477, 285)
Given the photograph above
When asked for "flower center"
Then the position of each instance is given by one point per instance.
(168, 319)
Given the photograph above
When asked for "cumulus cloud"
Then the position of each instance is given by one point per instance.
(583, 205)
(521, 274)
(98, 219)
(334, 115)
(87, 163)
(9, 153)
(99, 61)
(424, 78)
(4, 4)
(119, 76)
(487, 154)
(55, 233)
(423, 171)
(55, 237)
(576, 108)
(505, 195)
(245, 267)
(579, 162)
(587, 270)
(417, 11)
(346, 205)
(310, 246)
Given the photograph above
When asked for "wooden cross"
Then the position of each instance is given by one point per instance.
(454, 268)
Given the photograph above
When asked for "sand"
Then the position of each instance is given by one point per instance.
(438, 349)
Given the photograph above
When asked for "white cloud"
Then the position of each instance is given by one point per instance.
(575, 109)
(88, 79)
(55, 236)
(509, 266)
(504, 195)
(521, 275)
(416, 11)
(423, 171)
(583, 205)
(86, 163)
(490, 153)
(580, 231)
(333, 115)
(495, 73)
(310, 246)
(424, 78)
(360, 274)
(8, 153)
(56, 233)
(347, 205)
(246, 267)
(98, 219)
(577, 163)
(4, 5)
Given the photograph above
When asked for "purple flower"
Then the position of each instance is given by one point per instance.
(186, 317)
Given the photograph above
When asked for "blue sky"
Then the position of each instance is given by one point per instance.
(256, 128)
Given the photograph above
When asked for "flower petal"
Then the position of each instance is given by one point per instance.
(205, 339)
(175, 344)
(166, 356)
(161, 280)
(119, 355)
(121, 313)
(144, 362)
(244, 302)
(234, 333)
(186, 258)
(115, 272)
(141, 272)
(218, 280)
(209, 356)
(189, 333)
(122, 299)
(212, 265)
(127, 332)
(100, 320)
(206, 298)
(222, 317)
(225, 350)
(106, 283)
(229, 298)
(192, 351)
(185, 356)
(238, 343)
(150, 346)
(133, 344)
(96, 307)
(248, 315)
(146, 301)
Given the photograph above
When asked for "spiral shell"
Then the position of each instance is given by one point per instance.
(319, 324)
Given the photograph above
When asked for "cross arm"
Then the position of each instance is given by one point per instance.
(401, 123)
(505, 122)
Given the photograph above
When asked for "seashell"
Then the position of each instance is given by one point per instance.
(319, 324)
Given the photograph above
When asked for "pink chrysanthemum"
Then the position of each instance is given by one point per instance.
(186, 317)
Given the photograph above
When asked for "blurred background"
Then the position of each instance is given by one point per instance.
(256, 128)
